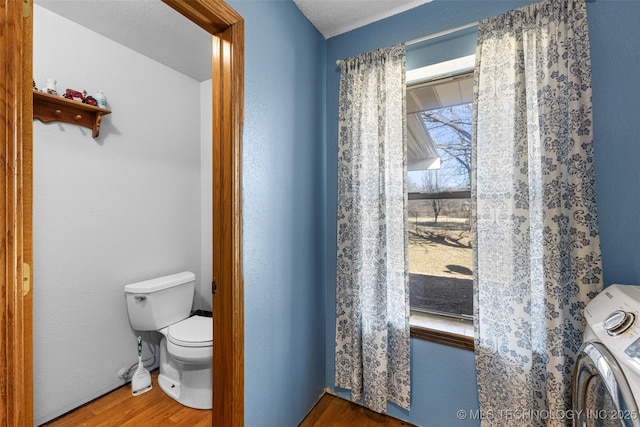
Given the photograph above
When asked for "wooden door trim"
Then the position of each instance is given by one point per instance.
(213, 16)
(227, 29)
(16, 204)
(228, 300)
(16, 358)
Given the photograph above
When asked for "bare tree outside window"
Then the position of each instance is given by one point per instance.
(451, 129)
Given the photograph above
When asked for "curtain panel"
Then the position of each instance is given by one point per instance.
(537, 252)
(372, 296)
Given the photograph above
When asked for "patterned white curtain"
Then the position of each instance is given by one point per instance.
(372, 296)
(537, 258)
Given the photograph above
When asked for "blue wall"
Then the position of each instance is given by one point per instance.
(283, 213)
(615, 62)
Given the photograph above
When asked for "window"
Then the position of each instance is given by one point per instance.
(439, 191)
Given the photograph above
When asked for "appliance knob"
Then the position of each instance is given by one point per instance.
(618, 322)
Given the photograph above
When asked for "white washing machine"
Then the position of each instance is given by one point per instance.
(607, 374)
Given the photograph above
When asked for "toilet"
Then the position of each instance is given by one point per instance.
(186, 349)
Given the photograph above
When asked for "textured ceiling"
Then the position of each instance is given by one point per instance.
(333, 17)
(155, 30)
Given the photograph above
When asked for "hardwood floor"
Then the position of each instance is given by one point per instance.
(332, 411)
(120, 408)
(154, 408)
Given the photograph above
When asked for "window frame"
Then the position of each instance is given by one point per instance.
(443, 329)
(454, 332)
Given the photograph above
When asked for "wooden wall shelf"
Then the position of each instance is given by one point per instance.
(48, 108)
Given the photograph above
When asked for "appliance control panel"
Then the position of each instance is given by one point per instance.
(613, 317)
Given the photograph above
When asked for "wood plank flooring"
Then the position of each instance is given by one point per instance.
(154, 408)
(332, 411)
(120, 408)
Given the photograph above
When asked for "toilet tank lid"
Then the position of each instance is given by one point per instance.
(160, 283)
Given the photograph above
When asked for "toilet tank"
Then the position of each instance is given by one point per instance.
(156, 303)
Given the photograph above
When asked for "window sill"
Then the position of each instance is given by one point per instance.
(443, 330)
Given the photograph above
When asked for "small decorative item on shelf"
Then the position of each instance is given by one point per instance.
(74, 95)
(34, 85)
(90, 100)
(101, 99)
(51, 86)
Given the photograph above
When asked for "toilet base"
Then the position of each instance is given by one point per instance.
(170, 387)
(197, 398)
(190, 385)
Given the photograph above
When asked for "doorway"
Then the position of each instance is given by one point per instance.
(227, 29)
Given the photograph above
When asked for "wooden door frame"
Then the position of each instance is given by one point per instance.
(16, 348)
(227, 29)
(16, 123)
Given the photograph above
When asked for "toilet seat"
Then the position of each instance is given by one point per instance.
(195, 331)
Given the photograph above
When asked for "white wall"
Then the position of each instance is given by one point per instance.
(108, 211)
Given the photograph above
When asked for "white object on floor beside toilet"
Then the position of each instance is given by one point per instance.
(141, 380)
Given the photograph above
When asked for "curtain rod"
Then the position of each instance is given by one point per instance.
(442, 33)
(433, 36)
(451, 31)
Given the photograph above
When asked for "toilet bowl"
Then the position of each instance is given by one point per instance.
(186, 348)
(185, 369)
